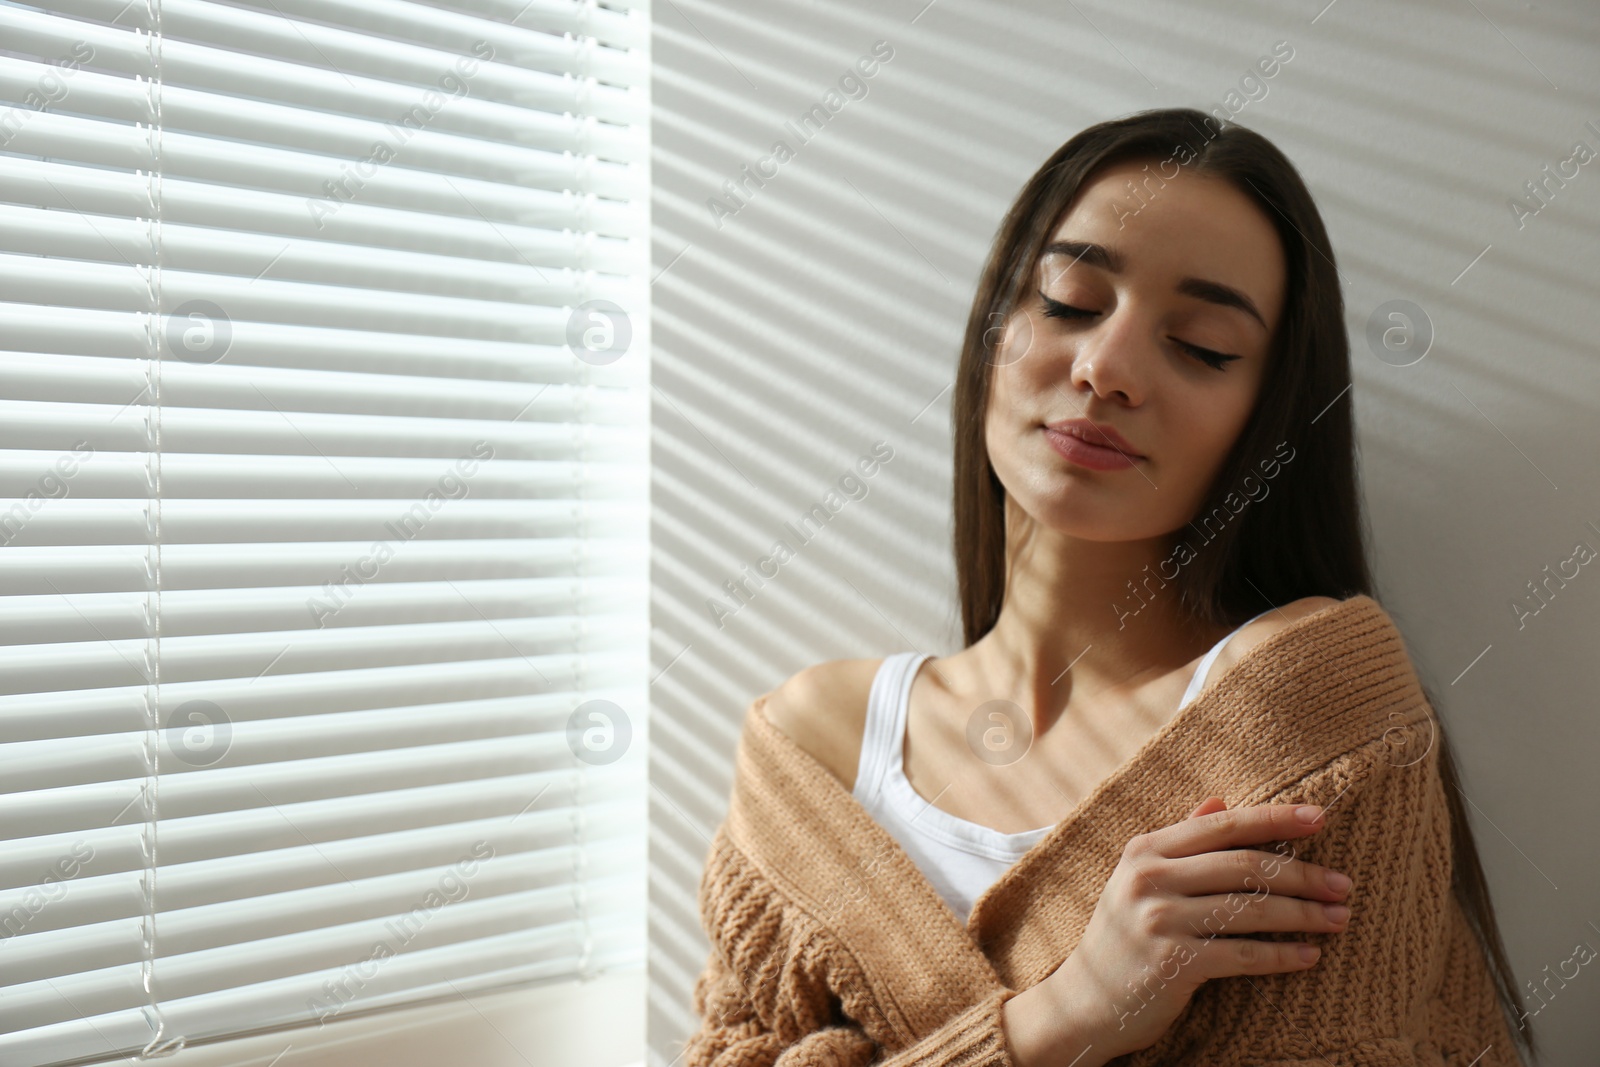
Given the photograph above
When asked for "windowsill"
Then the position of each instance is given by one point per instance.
(599, 1023)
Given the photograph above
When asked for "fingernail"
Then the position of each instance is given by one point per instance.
(1338, 882)
(1309, 953)
(1307, 813)
(1337, 913)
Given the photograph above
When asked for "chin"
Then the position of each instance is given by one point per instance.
(1084, 508)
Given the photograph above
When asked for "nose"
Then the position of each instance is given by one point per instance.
(1107, 359)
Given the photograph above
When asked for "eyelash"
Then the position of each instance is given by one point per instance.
(1055, 309)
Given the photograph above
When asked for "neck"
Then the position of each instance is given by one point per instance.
(1082, 617)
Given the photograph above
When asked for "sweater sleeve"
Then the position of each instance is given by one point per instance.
(765, 996)
(1405, 984)
(732, 1033)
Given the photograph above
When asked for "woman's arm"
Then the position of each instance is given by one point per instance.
(1042, 1031)
(773, 988)
(1404, 984)
(733, 1033)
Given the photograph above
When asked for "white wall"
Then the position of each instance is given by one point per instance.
(825, 315)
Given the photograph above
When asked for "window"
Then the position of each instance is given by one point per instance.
(323, 516)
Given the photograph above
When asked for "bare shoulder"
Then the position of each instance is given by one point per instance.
(1275, 620)
(823, 709)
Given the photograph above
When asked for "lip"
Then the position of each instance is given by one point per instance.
(1101, 437)
(1081, 452)
(1092, 446)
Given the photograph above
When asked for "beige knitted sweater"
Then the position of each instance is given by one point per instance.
(829, 946)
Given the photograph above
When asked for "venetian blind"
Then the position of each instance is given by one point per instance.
(322, 509)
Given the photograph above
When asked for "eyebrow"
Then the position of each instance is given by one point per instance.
(1110, 260)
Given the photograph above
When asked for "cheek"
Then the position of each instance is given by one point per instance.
(997, 418)
(1209, 432)
(1232, 416)
(1014, 341)
(1007, 420)
(1007, 387)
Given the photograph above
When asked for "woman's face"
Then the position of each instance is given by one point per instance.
(1172, 279)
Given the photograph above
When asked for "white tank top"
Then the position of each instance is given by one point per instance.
(960, 858)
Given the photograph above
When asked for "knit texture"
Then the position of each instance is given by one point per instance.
(829, 946)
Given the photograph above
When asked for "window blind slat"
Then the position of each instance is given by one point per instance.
(621, 27)
(290, 850)
(456, 230)
(92, 522)
(204, 251)
(110, 662)
(485, 183)
(388, 703)
(92, 616)
(117, 335)
(93, 379)
(401, 482)
(341, 307)
(355, 446)
(66, 713)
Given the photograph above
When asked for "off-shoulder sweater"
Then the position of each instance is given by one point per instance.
(829, 946)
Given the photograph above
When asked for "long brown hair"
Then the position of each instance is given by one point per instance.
(1312, 540)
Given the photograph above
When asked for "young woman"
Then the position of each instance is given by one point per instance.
(996, 857)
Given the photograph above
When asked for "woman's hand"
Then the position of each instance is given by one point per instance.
(1151, 942)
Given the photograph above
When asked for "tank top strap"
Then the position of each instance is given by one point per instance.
(1197, 681)
(883, 735)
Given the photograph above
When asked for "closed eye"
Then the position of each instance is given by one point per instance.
(1055, 309)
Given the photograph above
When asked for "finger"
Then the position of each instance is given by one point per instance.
(1252, 872)
(1232, 914)
(1224, 957)
(1232, 827)
(1210, 805)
